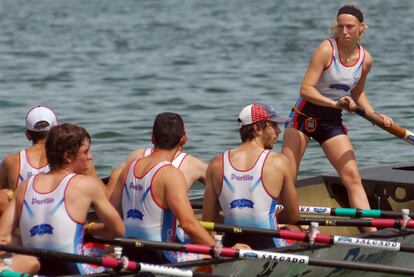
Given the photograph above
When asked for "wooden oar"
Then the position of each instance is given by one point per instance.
(306, 237)
(254, 254)
(375, 222)
(351, 212)
(394, 129)
(109, 262)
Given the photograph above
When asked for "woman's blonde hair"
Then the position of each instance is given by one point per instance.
(333, 28)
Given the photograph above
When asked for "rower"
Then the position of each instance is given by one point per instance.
(16, 167)
(50, 208)
(249, 181)
(194, 169)
(19, 166)
(151, 193)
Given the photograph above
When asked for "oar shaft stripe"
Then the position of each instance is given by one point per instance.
(353, 212)
(376, 222)
(348, 212)
(367, 243)
(277, 257)
(9, 273)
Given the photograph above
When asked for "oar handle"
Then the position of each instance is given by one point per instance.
(394, 128)
(376, 222)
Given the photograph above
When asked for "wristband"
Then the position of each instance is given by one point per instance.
(89, 228)
(10, 195)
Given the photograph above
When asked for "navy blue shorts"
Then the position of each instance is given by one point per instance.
(320, 129)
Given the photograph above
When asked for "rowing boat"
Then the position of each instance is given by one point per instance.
(388, 188)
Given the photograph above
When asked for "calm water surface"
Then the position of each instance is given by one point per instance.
(111, 66)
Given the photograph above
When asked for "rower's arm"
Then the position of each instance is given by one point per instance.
(9, 220)
(211, 205)
(116, 197)
(112, 225)
(177, 200)
(288, 196)
(9, 171)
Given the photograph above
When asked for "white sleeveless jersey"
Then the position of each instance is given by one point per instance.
(45, 222)
(143, 216)
(244, 199)
(338, 80)
(26, 170)
(177, 160)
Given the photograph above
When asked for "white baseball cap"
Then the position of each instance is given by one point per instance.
(38, 114)
(259, 112)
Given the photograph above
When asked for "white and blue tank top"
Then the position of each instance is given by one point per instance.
(27, 170)
(244, 199)
(336, 81)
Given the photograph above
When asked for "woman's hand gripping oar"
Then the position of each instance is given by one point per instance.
(393, 128)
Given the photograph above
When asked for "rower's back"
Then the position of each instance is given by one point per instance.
(51, 208)
(143, 212)
(151, 194)
(17, 167)
(249, 181)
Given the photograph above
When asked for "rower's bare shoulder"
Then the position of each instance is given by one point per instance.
(279, 160)
(215, 162)
(87, 183)
(368, 60)
(170, 172)
(193, 162)
(11, 160)
(134, 155)
(9, 171)
(323, 52)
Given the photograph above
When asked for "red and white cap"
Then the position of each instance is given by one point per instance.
(259, 112)
(40, 113)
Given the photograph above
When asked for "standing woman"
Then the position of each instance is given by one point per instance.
(334, 80)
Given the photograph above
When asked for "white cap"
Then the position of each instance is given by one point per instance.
(40, 113)
(259, 112)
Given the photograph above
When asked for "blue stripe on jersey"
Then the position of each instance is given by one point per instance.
(26, 205)
(272, 216)
(336, 65)
(272, 222)
(77, 245)
(52, 211)
(168, 225)
(168, 234)
(359, 69)
(256, 184)
(21, 177)
(145, 194)
(228, 184)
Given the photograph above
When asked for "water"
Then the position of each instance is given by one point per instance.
(111, 66)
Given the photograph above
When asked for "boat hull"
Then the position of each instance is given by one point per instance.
(259, 268)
